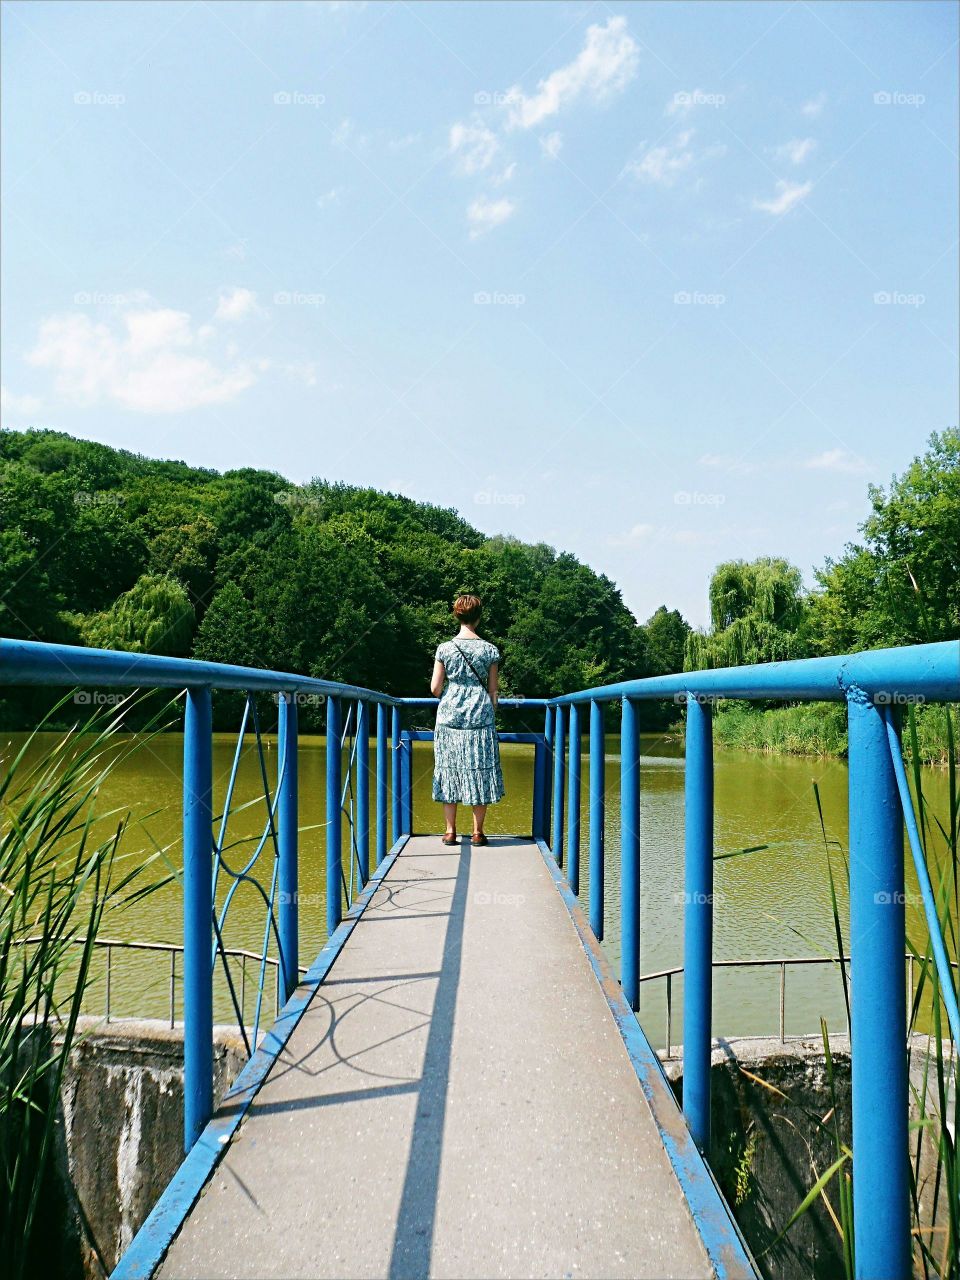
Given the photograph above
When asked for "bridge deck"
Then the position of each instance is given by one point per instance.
(456, 1101)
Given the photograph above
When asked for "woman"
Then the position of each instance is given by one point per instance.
(465, 745)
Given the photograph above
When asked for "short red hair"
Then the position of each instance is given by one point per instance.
(467, 609)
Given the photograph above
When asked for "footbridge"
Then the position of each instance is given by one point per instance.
(458, 1085)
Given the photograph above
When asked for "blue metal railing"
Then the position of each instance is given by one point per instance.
(347, 797)
(871, 684)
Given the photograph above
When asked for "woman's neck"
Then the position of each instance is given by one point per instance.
(467, 633)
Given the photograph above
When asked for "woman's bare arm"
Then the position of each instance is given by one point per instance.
(493, 683)
(439, 679)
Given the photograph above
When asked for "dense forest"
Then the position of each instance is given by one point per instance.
(103, 547)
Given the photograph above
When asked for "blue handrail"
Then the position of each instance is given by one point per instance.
(871, 684)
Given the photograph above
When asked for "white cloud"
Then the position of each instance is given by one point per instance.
(473, 145)
(484, 214)
(505, 175)
(841, 461)
(814, 107)
(329, 197)
(787, 195)
(18, 405)
(665, 163)
(795, 151)
(146, 364)
(551, 145)
(234, 305)
(604, 66)
(348, 137)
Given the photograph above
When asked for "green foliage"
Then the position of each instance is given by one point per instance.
(757, 614)
(667, 632)
(902, 586)
(154, 616)
(108, 548)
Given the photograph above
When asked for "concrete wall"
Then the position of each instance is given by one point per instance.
(123, 1127)
(769, 1144)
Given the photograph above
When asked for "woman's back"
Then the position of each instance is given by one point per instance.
(465, 703)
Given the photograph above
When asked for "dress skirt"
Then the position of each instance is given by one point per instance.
(467, 765)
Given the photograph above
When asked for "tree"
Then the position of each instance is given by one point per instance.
(667, 631)
(757, 614)
(154, 616)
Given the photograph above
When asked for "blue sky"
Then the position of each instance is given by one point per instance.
(660, 284)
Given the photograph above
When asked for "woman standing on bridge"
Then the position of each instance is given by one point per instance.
(465, 745)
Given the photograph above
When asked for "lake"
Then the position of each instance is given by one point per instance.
(771, 903)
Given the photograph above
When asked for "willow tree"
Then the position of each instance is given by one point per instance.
(757, 614)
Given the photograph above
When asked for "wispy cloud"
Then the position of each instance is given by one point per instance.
(147, 363)
(551, 145)
(841, 461)
(473, 145)
(787, 195)
(484, 213)
(604, 66)
(815, 106)
(795, 151)
(18, 406)
(329, 198)
(235, 304)
(665, 163)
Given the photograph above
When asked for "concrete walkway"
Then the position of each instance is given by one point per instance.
(456, 1102)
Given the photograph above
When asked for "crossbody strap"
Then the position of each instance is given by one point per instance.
(479, 679)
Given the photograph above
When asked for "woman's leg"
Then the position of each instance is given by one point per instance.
(450, 818)
(479, 813)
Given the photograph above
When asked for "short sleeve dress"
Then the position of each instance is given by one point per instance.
(466, 749)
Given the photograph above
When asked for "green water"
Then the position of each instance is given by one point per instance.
(769, 904)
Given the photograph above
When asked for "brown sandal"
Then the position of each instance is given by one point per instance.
(449, 838)
(479, 838)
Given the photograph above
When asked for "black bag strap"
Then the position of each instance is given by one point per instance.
(479, 679)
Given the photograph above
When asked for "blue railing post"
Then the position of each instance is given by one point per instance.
(288, 822)
(698, 919)
(556, 842)
(597, 786)
(197, 914)
(406, 784)
(363, 790)
(383, 773)
(334, 786)
(630, 852)
(878, 1001)
(538, 825)
(573, 799)
(396, 775)
(549, 718)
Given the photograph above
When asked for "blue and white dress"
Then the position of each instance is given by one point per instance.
(466, 750)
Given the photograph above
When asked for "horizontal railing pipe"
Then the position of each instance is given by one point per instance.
(925, 671)
(31, 662)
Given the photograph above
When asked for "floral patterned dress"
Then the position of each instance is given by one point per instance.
(466, 749)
